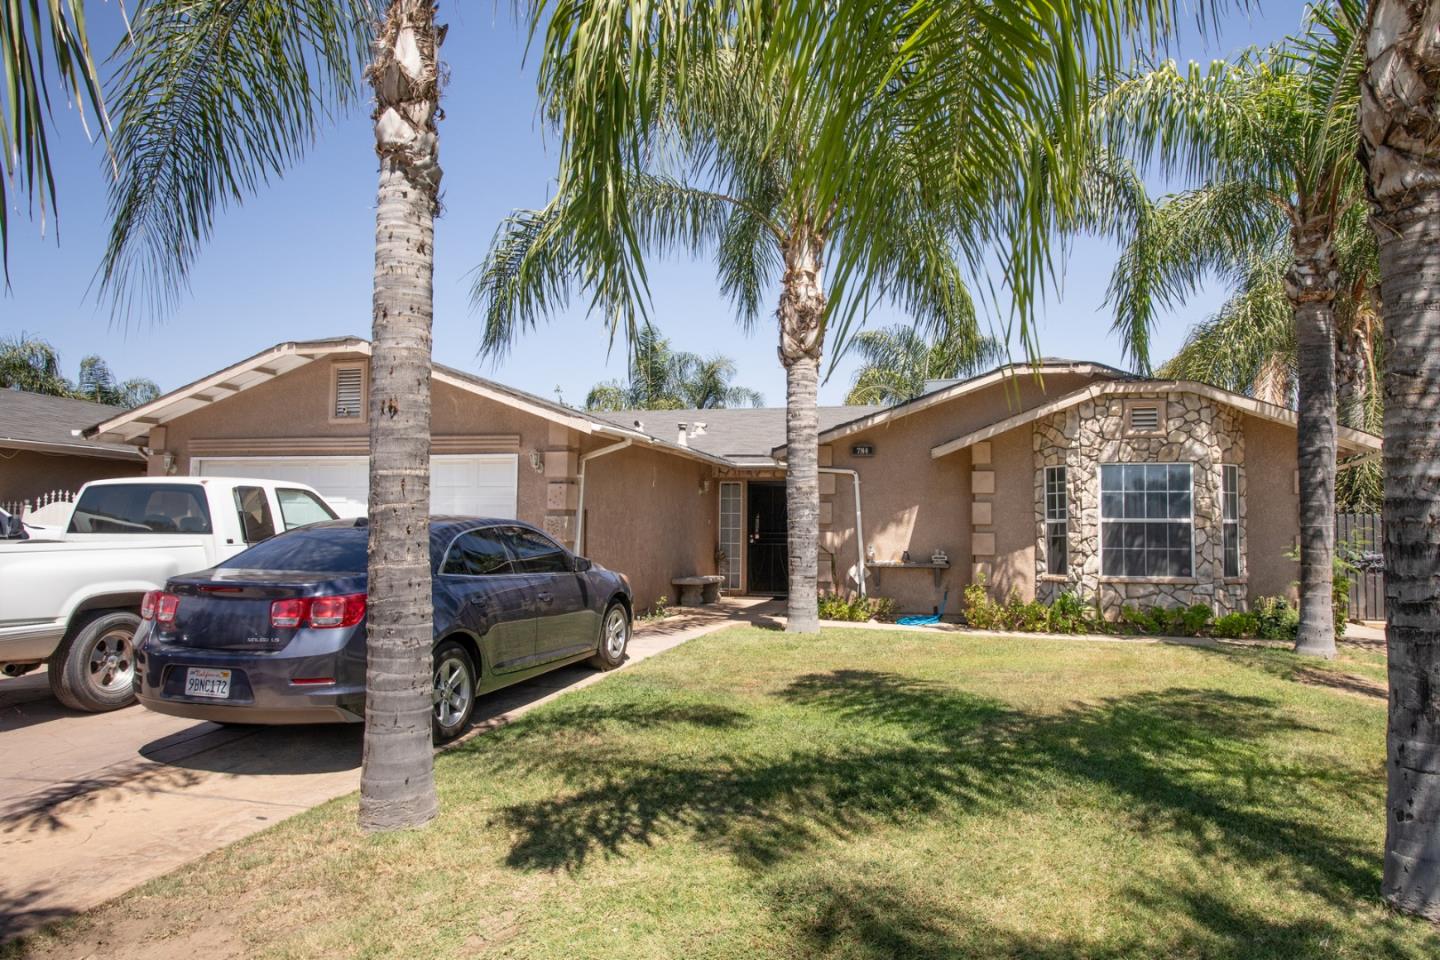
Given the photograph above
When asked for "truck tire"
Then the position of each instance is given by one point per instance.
(94, 667)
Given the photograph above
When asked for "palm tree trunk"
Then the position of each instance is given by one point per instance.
(1310, 284)
(397, 784)
(1400, 148)
(802, 336)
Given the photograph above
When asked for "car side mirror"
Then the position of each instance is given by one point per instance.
(583, 564)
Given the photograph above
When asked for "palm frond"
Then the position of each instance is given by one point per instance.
(214, 98)
(27, 31)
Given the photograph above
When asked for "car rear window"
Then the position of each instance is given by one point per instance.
(142, 508)
(311, 549)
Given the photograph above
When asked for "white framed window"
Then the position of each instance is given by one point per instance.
(1057, 516)
(1147, 524)
(732, 534)
(1230, 512)
(347, 392)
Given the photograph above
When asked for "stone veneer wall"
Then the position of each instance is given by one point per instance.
(1081, 438)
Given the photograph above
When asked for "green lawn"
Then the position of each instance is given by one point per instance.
(864, 795)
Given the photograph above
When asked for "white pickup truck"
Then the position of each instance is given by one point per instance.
(72, 599)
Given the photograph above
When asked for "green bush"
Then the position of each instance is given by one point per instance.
(1031, 617)
(1235, 626)
(981, 612)
(1069, 614)
(855, 609)
(1195, 619)
(1276, 619)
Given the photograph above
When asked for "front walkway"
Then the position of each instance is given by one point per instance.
(92, 805)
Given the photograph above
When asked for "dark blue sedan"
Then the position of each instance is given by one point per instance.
(277, 634)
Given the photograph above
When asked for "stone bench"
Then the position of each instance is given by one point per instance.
(694, 591)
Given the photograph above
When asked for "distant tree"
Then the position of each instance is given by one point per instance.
(32, 364)
(666, 379)
(899, 359)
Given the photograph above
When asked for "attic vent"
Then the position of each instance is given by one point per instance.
(349, 393)
(1143, 418)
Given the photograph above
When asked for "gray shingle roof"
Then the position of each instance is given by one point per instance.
(36, 421)
(736, 433)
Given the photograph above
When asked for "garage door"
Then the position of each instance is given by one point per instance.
(476, 485)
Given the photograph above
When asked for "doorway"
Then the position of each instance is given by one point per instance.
(768, 542)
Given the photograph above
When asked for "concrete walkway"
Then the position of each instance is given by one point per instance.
(92, 805)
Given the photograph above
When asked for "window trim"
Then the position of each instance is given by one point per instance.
(1101, 520)
(739, 561)
(335, 369)
(1062, 521)
(1226, 471)
(1130, 430)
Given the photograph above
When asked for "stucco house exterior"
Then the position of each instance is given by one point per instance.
(40, 453)
(1059, 476)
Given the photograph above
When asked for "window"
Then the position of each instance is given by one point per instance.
(336, 549)
(731, 530)
(142, 508)
(348, 381)
(478, 553)
(299, 507)
(535, 552)
(1057, 513)
(1230, 501)
(1142, 418)
(1146, 525)
(253, 506)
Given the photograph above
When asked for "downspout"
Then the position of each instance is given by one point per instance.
(580, 507)
(854, 475)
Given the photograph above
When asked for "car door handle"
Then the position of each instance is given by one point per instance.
(544, 598)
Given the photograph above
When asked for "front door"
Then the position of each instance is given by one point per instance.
(768, 544)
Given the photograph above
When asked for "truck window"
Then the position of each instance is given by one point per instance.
(299, 507)
(139, 508)
(254, 509)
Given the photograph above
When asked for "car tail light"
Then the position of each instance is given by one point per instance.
(343, 611)
(287, 613)
(159, 606)
(319, 612)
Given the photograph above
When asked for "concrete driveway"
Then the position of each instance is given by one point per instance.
(94, 804)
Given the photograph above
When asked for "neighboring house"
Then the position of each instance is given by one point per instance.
(1061, 476)
(40, 453)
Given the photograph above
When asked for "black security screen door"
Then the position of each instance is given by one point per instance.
(765, 533)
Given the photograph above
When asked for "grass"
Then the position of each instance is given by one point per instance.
(862, 794)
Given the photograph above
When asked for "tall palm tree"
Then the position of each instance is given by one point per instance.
(29, 73)
(666, 379)
(884, 134)
(214, 97)
(96, 382)
(898, 360)
(1270, 142)
(1400, 150)
(30, 363)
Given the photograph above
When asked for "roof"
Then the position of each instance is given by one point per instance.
(34, 421)
(133, 426)
(745, 435)
(1350, 440)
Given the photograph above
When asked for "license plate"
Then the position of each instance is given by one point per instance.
(204, 682)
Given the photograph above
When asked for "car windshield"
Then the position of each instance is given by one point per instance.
(327, 549)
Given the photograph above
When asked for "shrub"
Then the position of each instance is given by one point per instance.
(1235, 626)
(1275, 619)
(855, 609)
(1031, 617)
(1069, 614)
(981, 612)
(1195, 618)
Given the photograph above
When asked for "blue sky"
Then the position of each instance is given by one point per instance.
(294, 262)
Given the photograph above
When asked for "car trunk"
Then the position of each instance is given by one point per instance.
(230, 610)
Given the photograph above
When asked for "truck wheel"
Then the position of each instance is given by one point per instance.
(94, 668)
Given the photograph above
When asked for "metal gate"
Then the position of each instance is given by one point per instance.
(1360, 538)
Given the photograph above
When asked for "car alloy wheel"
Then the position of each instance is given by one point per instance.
(617, 632)
(454, 690)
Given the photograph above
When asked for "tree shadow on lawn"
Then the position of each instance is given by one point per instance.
(1190, 763)
(1282, 664)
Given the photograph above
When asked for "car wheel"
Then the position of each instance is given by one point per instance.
(94, 667)
(614, 638)
(454, 695)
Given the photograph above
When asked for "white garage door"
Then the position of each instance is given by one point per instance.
(475, 485)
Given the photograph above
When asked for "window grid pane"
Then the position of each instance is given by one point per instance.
(730, 532)
(1154, 501)
(1230, 508)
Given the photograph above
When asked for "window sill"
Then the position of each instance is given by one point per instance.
(1054, 578)
(1170, 580)
(1232, 581)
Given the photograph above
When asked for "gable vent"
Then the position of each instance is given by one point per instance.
(1145, 418)
(349, 393)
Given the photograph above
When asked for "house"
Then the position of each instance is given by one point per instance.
(1060, 476)
(40, 453)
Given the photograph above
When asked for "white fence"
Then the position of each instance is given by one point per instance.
(51, 509)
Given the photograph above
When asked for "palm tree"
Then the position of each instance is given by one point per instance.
(97, 383)
(213, 99)
(853, 151)
(1270, 142)
(30, 363)
(1400, 150)
(665, 379)
(25, 96)
(898, 360)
